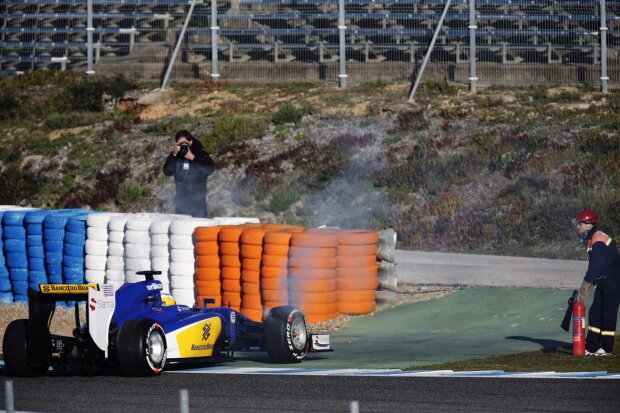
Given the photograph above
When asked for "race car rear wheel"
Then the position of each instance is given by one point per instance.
(286, 335)
(15, 349)
(141, 348)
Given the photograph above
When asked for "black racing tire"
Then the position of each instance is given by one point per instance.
(141, 348)
(15, 349)
(286, 335)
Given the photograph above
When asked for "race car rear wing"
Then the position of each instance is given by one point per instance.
(42, 303)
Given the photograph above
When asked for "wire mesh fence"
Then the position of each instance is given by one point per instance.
(516, 42)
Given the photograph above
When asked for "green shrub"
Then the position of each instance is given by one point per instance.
(130, 192)
(283, 197)
(287, 114)
(372, 86)
(87, 94)
(71, 120)
(227, 131)
(17, 185)
(170, 126)
(443, 88)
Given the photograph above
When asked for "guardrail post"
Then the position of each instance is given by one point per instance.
(89, 37)
(8, 397)
(342, 76)
(215, 30)
(603, 28)
(473, 79)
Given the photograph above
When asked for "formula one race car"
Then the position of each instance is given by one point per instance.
(137, 330)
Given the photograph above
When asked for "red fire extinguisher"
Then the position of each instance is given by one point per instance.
(579, 330)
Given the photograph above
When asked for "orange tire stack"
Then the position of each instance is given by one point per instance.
(207, 283)
(230, 265)
(274, 285)
(251, 255)
(357, 271)
(312, 274)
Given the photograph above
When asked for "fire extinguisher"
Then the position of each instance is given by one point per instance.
(579, 330)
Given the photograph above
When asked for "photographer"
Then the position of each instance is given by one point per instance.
(190, 165)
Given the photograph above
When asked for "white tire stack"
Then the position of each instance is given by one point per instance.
(182, 259)
(96, 247)
(137, 246)
(115, 266)
(160, 250)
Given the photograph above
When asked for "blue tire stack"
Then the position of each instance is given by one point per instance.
(15, 252)
(53, 245)
(6, 296)
(33, 222)
(73, 251)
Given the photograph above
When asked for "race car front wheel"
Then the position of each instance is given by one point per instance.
(141, 348)
(286, 335)
(15, 348)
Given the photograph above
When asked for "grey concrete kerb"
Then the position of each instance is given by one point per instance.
(417, 267)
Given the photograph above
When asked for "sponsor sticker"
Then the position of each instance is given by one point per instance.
(198, 339)
(67, 288)
(154, 286)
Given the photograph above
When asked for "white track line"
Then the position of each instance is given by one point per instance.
(398, 373)
(395, 373)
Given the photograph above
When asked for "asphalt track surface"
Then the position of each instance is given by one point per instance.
(281, 393)
(475, 322)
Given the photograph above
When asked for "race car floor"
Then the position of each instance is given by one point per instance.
(475, 322)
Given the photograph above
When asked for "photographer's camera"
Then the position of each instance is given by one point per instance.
(183, 149)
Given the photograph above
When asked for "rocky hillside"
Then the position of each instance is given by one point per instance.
(502, 171)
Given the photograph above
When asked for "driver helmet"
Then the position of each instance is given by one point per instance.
(167, 299)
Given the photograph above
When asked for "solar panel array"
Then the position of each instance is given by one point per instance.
(548, 41)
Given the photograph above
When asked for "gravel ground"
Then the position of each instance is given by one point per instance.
(63, 320)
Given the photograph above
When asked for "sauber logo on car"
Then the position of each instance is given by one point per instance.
(198, 339)
(67, 288)
(154, 286)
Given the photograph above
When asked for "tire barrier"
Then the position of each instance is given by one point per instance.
(15, 252)
(356, 271)
(230, 265)
(159, 252)
(96, 247)
(208, 274)
(251, 253)
(6, 293)
(235, 261)
(74, 243)
(312, 273)
(33, 222)
(115, 263)
(274, 267)
(182, 258)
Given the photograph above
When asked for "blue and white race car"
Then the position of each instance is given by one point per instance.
(138, 331)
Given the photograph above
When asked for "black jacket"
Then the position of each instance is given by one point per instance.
(190, 178)
(604, 262)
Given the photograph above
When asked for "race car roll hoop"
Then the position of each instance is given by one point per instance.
(134, 331)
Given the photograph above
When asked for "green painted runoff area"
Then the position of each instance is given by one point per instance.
(470, 323)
